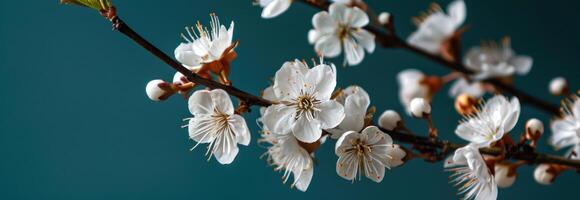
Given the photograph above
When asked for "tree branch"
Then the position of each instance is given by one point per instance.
(391, 40)
(446, 146)
(248, 98)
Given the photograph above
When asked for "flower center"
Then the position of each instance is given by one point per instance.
(342, 31)
(221, 120)
(306, 104)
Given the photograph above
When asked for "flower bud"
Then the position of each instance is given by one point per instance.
(419, 107)
(465, 104)
(389, 120)
(544, 175)
(558, 86)
(154, 90)
(177, 78)
(384, 18)
(534, 129)
(504, 176)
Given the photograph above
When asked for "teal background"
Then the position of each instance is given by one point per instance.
(75, 122)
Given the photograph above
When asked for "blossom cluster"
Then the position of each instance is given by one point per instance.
(308, 109)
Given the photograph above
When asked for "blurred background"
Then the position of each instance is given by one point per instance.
(75, 122)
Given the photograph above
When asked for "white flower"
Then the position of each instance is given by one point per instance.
(497, 117)
(471, 172)
(462, 86)
(206, 46)
(214, 122)
(285, 153)
(368, 153)
(273, 8)
(342, 28)
(304, 107)
(566, 131)
(438, 27)
(492, 61)
(411, 86)
(355, 101)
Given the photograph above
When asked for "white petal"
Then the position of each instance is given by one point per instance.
(522, 64)
(355, 109)
(278, 118)
(324, 23)
(365, 39)
(576, 109)
(199, 129)
(344, 141)
(512, 118)
(185, 55)
(269, 94)
(275, 8)
(356, 17)
(396, 155)
(307, 131)
(321, 81)
(224, 157)
(288, 82)
(457, 11)
(376, 136)
(461, 86)
(471, 131)
(304, 179)
(331, 114)
(313, 36)
(200, 103)
(376, 171)
(347, 166)
(353, 52)
(222, 101)
(240, 128)
(328, 45)
(338, 12)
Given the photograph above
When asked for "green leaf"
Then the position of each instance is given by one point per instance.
(94, 4)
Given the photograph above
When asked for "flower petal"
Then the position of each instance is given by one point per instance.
(288, 82)
(365, 39)
(306, 130)
(522, 64)
(240, 128)
(278, 118)
(356, 17)
(224, 156)
(338, 12)
(353, 52)
(185, 55)
(320, 81)
(222, 102)
(303, 181)
(324, 23)
(275, 8)
(457, 11)
(331, 114)
(199, 129)
(200, 103)
(328, 45)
